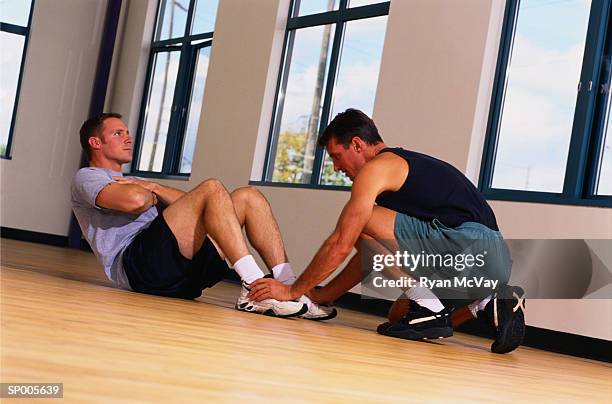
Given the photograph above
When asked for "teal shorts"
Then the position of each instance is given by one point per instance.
(448, 248)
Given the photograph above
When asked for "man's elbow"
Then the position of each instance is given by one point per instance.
(139, 202)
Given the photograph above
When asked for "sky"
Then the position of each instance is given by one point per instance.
(357, 74)
(204, 19)
(319, 6)
(13, 12)
(541, 93)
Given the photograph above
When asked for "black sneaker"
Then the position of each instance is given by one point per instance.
(505, 313)
(419, 324)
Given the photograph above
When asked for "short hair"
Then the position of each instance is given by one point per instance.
(349, 124)
(92, 127)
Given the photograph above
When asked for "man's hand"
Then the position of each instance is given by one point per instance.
(164, 194)
(268, 288)
(148, 185)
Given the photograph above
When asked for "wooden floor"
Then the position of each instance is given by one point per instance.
(61, 322)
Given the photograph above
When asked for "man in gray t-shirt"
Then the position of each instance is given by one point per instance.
(107, 231)
(155, 239)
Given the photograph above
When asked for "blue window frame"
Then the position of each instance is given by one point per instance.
(331, 60)
(548, 138)
(174, 88)
(15, 22)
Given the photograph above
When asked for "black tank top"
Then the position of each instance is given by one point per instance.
(435, 189)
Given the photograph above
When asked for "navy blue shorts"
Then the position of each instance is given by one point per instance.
(154, 264)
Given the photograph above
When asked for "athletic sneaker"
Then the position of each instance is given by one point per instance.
(269, 307)
(316, 311)
(505, 312)
(419, 323)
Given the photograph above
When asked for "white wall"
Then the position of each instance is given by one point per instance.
(56, 89)
(433, 96)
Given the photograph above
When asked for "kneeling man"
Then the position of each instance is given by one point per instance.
(404, 196)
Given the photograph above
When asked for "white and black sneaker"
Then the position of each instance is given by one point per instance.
(269, 307)
(316, 311)
(505, 312)
(419, 323)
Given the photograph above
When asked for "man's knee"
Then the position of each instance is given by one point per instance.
(246, 196)
(210, 185)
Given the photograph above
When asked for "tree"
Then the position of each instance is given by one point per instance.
(289, 163)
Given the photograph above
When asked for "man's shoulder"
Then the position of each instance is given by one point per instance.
(89, 173)
(88, 181)
(385, 172)
(386, 161)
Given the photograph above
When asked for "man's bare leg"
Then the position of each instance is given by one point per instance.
(207, 209)
(254, 213)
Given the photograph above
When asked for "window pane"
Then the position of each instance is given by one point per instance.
(540, 98)
(195, 107)
(604, 186)
(158, 110)
(357, 77)
(15, 11)
(10, 64)
(306, 7)
(301, 104)
(172, 19)
(359, 3)
(204, 16)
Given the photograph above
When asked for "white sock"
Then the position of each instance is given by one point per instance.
(284, 273)
(425, 298)
(248, 269)
(478, 305)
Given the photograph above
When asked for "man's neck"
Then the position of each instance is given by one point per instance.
(111, 165)
(378, 147)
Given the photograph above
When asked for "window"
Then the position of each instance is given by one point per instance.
(331, 62)
(174, 88)
(15, 21)
(547, 138)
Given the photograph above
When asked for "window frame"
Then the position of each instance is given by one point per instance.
(339, 17)
(586, 136)
(25, 32)
(185, 83)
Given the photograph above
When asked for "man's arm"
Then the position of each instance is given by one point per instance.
(342, 283)
(127, 198)
(377, 176)
(164, 194)
(131, 195)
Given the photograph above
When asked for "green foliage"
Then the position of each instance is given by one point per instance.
(3, 150)
(289, 163)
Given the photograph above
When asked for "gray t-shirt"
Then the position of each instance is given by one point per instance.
(108, 231)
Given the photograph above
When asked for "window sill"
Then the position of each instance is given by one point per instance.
(305, 186)
(546, 198)
(147, 174)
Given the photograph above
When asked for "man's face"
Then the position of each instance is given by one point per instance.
(349, 160)
(115, 141)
